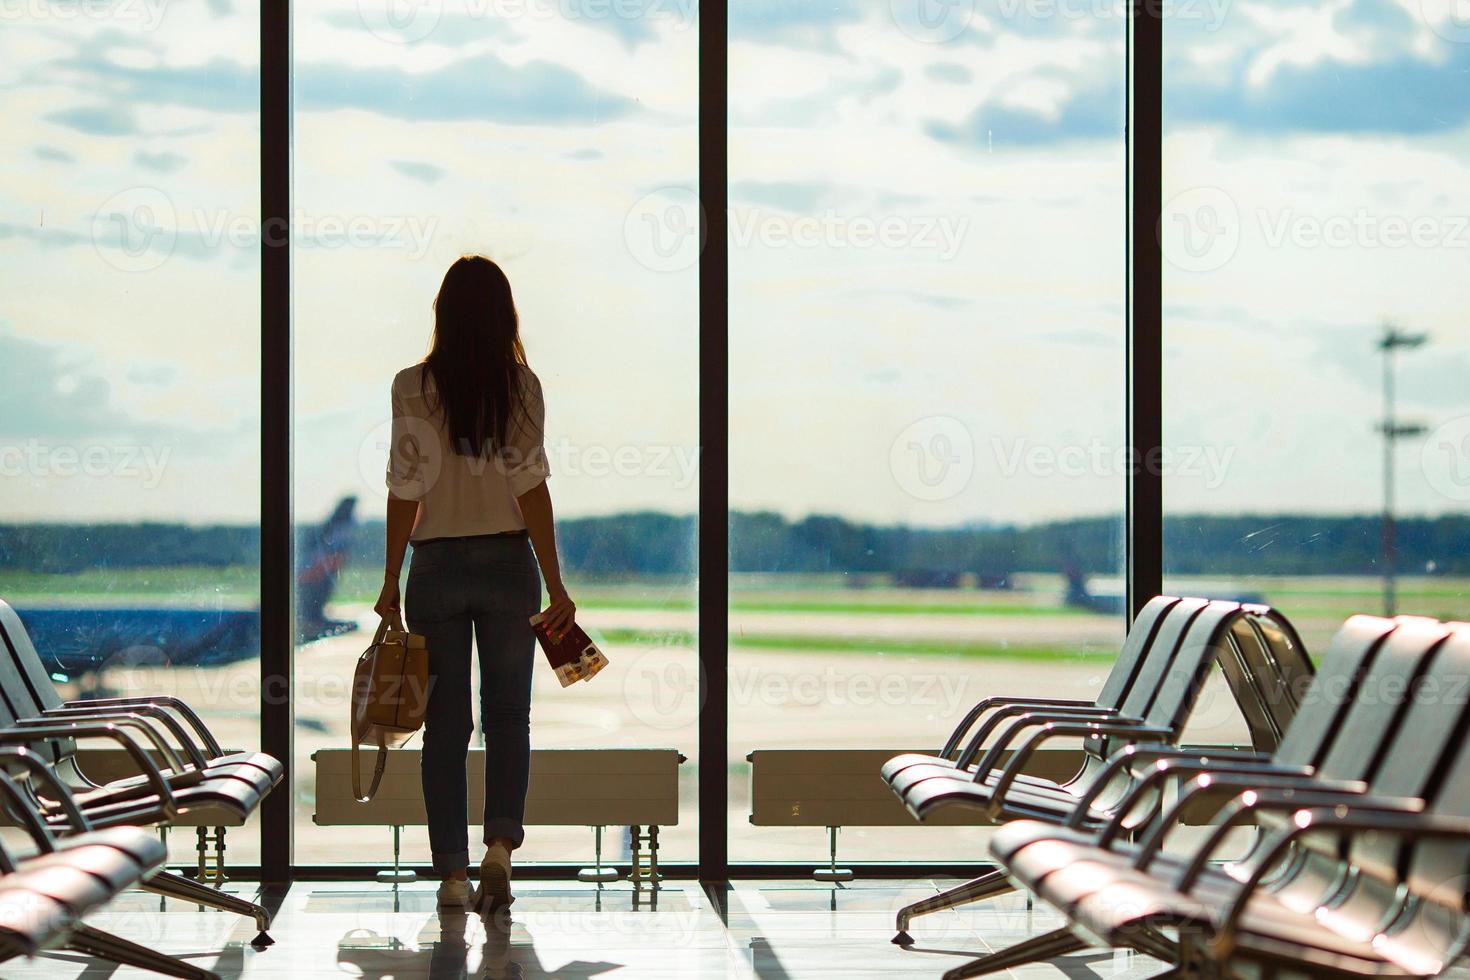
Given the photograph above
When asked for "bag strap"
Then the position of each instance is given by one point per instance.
(382, 763)
(396, 620)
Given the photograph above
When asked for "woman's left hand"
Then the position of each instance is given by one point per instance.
(388, 605)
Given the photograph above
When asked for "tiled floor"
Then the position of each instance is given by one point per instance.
(766, 930)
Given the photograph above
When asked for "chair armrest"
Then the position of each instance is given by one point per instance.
(1035, 715)
(1255, 775)
(124, 721)
(31, 734)
(1344, 816)
(142, 711)
(952, 745)
(39, 769)
(991, 759)
(1172, 757)
(206, 737)
(1276, 800)
(1051, 730)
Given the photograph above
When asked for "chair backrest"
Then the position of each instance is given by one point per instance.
(1154, 670)
(18, 699)
(1419, 759)
(1203, 644)
(1268, 671)
(1350, 659)
(1439, 870)
(1136, 645)
(1380, 704)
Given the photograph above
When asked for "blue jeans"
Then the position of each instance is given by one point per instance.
(489, 585)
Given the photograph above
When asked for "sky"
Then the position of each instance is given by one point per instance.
(927, 257)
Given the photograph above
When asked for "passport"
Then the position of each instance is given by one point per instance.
(574, 657)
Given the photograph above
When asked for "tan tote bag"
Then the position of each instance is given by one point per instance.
(389, 695)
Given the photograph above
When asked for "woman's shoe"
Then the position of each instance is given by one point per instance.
(494, 891)
(454, 893)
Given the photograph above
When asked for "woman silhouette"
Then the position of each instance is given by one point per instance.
(467, 486)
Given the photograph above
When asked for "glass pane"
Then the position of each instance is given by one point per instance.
(927, 380)
(129, 352)
(561, 143)
(1314, 209)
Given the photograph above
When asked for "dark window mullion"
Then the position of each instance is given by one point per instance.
(277, 633)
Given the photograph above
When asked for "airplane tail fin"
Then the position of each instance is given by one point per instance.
(325, 552)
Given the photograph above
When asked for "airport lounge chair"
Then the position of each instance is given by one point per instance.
(1333, 902)
(211, 786)
(1194, 635)
(44, 897)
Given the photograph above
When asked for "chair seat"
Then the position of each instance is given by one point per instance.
(32, 921)
(1103, 893)
(234, 796)
(267, 764)
(1045, 800)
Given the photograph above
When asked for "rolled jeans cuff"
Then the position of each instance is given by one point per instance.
(512, 830)
(448, 863)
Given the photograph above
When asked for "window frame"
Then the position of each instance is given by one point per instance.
(1144, 426)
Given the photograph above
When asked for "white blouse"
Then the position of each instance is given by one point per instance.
(463, 495)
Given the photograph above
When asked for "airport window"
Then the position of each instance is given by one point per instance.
(559, 140)
(930, 295)
(927, 329)
(129, 345)
(1314, 293)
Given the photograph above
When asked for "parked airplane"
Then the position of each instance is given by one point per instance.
(1109, 598)
(77, 643)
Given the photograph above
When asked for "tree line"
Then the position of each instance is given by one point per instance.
(654, 543)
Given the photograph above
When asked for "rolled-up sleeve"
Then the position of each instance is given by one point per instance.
(526, 465)
(408, 457)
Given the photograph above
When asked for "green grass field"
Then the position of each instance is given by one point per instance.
(795, 614)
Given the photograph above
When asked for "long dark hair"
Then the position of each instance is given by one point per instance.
(476, 356)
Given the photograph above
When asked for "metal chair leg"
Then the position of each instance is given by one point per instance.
(1037, 948)
(104, 945)
(177, 886)
(977, 890)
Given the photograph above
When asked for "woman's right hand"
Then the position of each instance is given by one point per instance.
(560, 614)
